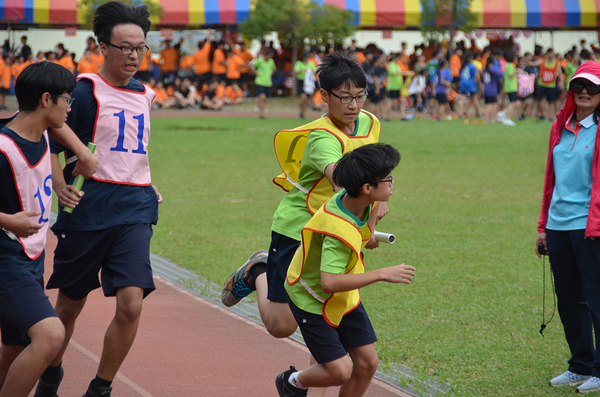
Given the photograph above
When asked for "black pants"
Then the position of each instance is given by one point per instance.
(575, 262)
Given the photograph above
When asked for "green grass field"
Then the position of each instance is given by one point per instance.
(464, 211)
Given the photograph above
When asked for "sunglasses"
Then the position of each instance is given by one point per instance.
(591, 89)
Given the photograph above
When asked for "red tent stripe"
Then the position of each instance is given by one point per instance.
(227, 13)
(63, 11)
(341, 4)
(496, 13)
(14, 10)
(390, 13)
(554, 13)
(176, 11)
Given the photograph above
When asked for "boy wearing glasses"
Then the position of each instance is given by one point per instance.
(32, 334)
(327, 271)
(307, 155)
(111, 226)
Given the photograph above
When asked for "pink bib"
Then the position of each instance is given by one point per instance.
(34, 187)
(121, 133)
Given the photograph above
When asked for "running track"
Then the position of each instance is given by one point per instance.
(186, 346)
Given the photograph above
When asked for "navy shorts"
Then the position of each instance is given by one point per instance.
(23, 303)
(300, 87)
(260, 90)
(442, 98)
(513, 96)
(490, 99)
(549, 93)
(4, 91)
(121, 252)
(327, 343)
(394, 94)
(244, 77)
(281, 252)
(202, 79)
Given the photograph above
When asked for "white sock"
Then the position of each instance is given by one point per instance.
(293, 379)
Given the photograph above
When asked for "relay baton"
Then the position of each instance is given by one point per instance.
(385, 237)
(78, 182)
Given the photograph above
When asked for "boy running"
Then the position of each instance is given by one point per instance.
(32, 334)
(327, 271)
(308, 156)
(111, 226)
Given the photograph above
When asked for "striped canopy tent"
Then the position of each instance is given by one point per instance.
(177, 13)
(491, 14)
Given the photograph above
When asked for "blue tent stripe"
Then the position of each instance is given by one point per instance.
(242, 10)
(28, 10)
(211, 10)
(573, 9)
(2, 14)
(534, 13)
(354, 5)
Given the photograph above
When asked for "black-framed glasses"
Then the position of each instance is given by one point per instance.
(591, 89)
(390, 179)
(129, 50)
(69, 100)
(348, 99)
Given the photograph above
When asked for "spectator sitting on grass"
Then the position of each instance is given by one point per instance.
(210, 99)
(185, 95)
(163, 99)
(233, 95)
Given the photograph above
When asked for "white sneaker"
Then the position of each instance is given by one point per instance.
(569, 379)
(507, 121)
(592, 384)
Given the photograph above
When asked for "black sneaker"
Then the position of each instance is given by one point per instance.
(101, 392)
(44, 389)
(240, 283)
(285, 388)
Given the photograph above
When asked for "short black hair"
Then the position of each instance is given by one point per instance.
(365, 164)
(337, 70)
(39, 78)
(114, 13)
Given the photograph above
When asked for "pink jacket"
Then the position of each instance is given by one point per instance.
(593, 222)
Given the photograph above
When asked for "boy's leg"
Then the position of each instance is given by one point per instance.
(365, 362)
(276, 316)
(121, 332)
(46, 337)
(8, 354)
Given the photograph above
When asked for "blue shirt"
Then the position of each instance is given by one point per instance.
(572, 159)
(491, 78)
(443, 74)
(104, 204)
(468, 75)
(13, 259)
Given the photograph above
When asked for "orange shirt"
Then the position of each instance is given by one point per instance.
(201, 62)
(85, 66)
(67, 62)
(246, 57)
(186, 62)
(232, 93)
(361, 58)
(455, 65)
(97, 60)
(218, 59)
(220, 91)
(233, 67)
(168, 60)
(17, 68)
(5, 75)
(145, 64)
(161, 95)
(404, 62)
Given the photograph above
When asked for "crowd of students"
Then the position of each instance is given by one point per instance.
(498, 82)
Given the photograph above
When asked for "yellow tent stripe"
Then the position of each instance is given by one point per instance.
(518, 13)
(197, 13)
(41, 11)
(589, 13)
(413, 12)
(477, 9)
(367, 13)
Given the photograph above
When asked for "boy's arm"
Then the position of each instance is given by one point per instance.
(329, 175)
(62, 190)
(332, 283)
(380, 210)
(87, 163)
(20, 223)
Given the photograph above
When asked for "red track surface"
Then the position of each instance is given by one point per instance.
(186, 346)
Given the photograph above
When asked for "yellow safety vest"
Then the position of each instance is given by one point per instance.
(289, 149)
(337, 304)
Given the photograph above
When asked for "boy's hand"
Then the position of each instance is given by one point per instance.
(21, 225)
(69, 196)
(373, 243)
(86, 165)
(398, 274)
(158, 195)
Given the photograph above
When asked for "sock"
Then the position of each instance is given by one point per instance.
(293, 379)
(257, 270)
(52, 375)
(98, 383)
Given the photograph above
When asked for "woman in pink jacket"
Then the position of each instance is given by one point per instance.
(569, 226)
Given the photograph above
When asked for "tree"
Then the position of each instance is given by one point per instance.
(89, 6)
(298, 23)
(441, 18)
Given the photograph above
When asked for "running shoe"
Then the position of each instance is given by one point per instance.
(240, 284)
(44, 389)
(101, 392)
(569, 379)
(592, 384)
(285, 388)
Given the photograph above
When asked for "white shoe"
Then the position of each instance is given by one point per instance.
(592, 384)
(568, 378)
